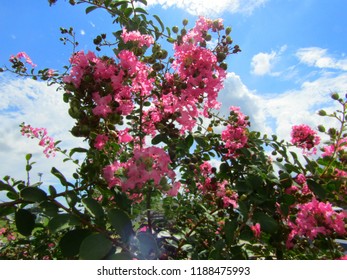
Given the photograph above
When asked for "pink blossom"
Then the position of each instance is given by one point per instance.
(102, 105)
(235, 134)
(100, 141)
(136, 36)
(340, 173)
(301, 179)
(21, 55)
(205, 168)
(50, 73)
(343, 257)
(304, 137)
(256, 230)
(41, 134)
(340, 146)
(316, 218)
(147, 165)
(124, 136)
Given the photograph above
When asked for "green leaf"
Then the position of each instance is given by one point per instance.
(71, 242)
(143, 2)
(4, 211)
(90, 9)
(77, 150)
(267, 223)
(147, 245)
(317, 189)
(201, 141)
(61, 177)
(159, 138)
(49, 208)
(93, 207)
(128, 12)
(52, 190)
(25, 221)
(33, 194)
(121, 223)
(71, 198)
(160, 22)
(140, 10)
(230, 228)
(6, 187)
(107, 3)
(62, 221)
(189, 141)
(95, 247)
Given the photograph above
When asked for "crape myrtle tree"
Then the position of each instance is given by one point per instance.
(146, 188)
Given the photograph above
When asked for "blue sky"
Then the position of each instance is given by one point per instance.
(293, 56)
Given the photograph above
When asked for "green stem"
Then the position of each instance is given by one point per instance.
(332, 159)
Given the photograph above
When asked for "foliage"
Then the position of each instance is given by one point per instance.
(146, 188)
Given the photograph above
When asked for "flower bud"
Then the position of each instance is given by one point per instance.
(175, 29)
(322, 113)
(185, 22)
(335, 96)
(228, 30)
(208, 37)
(321, 128)
(332, 131)
(223, 65)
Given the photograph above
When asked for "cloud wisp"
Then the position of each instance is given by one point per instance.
(319, 57)
(32, 102)
(211, 7)
(263, 63)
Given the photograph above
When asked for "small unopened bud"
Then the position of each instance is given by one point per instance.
(185, 22)
(228, 30)
(335, 96)
(332, 131)
(321, 128)
(175, 29)
(322, 113)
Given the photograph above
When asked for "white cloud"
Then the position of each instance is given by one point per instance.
(235, 93)
(83, 32)
(211, 7)
(33, 102)
(277, 113)
(263, 63)
(318, 57)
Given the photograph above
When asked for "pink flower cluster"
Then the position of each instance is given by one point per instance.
(127, 78)
(316, 218)
(235, 134)
(303, 189)
(305, 137)
(136, 36)
(40, 133)
(197, 79)
(149, 165)
(211, 186)
(340, 146)
(23, 55)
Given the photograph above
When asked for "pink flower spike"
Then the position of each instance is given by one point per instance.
(21, 55)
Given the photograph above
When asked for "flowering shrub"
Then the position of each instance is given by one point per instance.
(148, 187)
